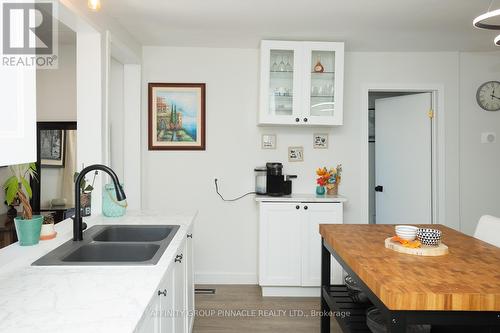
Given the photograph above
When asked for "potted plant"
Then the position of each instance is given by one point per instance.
(86, 189)
(48, 228)
(28, 226)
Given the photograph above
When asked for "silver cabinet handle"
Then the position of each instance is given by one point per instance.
(164, 292)
(189, 235)
(178, 258)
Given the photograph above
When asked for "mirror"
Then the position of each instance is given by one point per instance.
(56, 166)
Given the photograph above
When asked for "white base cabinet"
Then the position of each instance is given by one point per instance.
(290, 247)
(171, 309)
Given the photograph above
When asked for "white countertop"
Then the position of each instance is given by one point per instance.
(301, 198)
(80, 298)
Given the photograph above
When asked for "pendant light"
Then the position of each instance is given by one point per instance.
(489, 20)
(484, 21)
(94, 5)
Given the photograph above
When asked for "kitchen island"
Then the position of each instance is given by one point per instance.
(98, 298)
(461, 288)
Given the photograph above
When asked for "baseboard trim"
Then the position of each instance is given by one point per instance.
(225, 278)
(290, 291)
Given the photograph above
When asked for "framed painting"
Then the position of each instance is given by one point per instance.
(176, 116)
(52, 148)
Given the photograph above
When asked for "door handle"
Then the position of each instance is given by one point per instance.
(379, 188)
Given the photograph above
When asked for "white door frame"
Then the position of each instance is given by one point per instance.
(438, 145)
(88, 93)
(132, 116)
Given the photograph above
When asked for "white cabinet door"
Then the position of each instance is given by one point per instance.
(18, 115)
(323, 83)
(166, 294)
(190, 279)
(180, 321)
(280, 89)
(171, 309)
(316, 214)
(280, 244)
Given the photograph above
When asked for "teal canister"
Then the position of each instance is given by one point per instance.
(110, 206)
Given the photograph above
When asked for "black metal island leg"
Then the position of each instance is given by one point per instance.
(325, 284)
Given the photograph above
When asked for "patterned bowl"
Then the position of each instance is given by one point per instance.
(431, 237)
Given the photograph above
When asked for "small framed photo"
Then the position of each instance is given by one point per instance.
(295, 154)
(52, 148)
(268, 141)
(320, 141)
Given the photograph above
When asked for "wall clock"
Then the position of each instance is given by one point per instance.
(488, 96)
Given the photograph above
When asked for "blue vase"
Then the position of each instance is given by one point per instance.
(111, 207)
(320, 190)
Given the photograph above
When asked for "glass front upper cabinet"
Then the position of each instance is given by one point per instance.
(301, 83)
(279, 77)
(324, 82)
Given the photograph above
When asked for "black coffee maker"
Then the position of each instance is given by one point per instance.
(275, 182)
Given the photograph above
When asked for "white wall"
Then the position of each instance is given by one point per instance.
(184, 180)
(56, 88)
(479, 163)
(116, 117)
(226, 246)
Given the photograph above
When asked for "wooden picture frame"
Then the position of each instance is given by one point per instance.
(52, 148)
(176, 116)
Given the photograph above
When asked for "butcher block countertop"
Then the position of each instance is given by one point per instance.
(466, 279)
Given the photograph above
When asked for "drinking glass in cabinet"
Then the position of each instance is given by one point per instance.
(281, 82)
(274, 66)
(288, 66)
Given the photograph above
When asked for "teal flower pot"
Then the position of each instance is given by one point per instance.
(320, 190)
(28, 231)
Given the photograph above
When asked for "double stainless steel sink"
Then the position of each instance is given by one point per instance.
(112, 245)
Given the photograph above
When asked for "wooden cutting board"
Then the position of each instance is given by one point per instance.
(424, 250)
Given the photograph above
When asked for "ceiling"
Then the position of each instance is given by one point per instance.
(365, 25)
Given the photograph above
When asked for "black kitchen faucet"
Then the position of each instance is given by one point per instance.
(77, 220)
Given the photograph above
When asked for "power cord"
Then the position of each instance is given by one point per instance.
(235, 199)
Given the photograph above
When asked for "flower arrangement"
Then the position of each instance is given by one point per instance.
(329, 178)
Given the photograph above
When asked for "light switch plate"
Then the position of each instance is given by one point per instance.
(488, 137)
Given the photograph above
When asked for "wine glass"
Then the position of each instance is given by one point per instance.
(288, 66)
(274, 66)
(282, 65)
